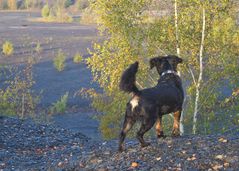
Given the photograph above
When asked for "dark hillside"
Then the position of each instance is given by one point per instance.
(27, 146)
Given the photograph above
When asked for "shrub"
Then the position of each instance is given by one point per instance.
(59, 61)
(3, 4)
(88, 16)
(69, 3)
(18, 98)
(45, 12)
(12, 4)
(82, 4)
(77, 58)
(7, 48)
(58, 14)
(38, 48)
(129, 39)
(60, 105)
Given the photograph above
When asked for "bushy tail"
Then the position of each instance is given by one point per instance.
(127, 81)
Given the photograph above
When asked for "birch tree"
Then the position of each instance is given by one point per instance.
(178, 53)
(200, 77)
(203, 33)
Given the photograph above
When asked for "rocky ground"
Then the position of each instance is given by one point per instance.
(25, 145)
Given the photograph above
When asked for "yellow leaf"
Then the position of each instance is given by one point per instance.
(223, 140)
(158, 158)
(134, 164)
(219, 157)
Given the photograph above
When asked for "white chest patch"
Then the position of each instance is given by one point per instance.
(134, 102)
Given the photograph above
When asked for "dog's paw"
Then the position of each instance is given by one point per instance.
(175, 133)
(146, 144)
(161, 135)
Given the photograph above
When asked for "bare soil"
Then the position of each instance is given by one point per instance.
(18, 28)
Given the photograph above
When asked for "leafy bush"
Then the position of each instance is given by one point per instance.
(88, 16)
(82, 4)
(69, 3)
(77, 58)
(130, 38)
(45, 12)
(58, 13)
(38, 48)
(28, 4)
(59, 61)
(60, 106)
(3, 5)
(7, 48)
(18, 98)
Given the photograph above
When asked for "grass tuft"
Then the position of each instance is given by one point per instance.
(59, 61)
(7, 48)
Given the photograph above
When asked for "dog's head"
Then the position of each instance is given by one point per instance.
(163, 63)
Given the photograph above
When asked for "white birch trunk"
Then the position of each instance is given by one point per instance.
(181, 126)
(198, 84)
(176, 26)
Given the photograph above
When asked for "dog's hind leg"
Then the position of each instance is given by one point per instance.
(176, 123)
(146, 125)
(159, 127)
(128, 123)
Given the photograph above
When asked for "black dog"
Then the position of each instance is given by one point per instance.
(149, 105)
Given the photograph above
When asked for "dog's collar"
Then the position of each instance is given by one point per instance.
(169, 72)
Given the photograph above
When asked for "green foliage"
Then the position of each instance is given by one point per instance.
(18, 98)
(109, 60)
(82, 4)
(69, 3)
(12, 4)
(77, 58)
(38, 48)
(7, 48)
(88, 16)
(60, 106)
(3, 4)
(131, 37)
(59, 61)
(30, 4)
(58, 13)
(45, 12)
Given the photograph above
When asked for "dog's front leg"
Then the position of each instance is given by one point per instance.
(176, 122)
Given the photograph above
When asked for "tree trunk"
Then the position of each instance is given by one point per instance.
(198, 85)
(181, 126)
(176, 27)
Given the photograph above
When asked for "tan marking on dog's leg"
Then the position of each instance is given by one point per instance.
(159, 127)
(176, 122)
(128, 127)
(128, 123)
(134, 102)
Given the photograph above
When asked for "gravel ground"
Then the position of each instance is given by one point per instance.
(25, 145)
(28, 146)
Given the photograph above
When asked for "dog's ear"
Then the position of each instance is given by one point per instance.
(177, 59)
(154, 61)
